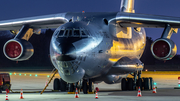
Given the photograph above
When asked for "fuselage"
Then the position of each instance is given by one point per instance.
(88, 45)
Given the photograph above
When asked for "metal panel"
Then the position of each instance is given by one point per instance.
(39, 22)
(145, 20)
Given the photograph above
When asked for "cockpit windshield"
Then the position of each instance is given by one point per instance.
(73, 32)
(61, 33)
(76, 32)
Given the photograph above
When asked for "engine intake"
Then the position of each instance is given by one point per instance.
(18, 49)
(163, 49)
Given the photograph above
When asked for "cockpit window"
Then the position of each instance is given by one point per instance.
(70, 33)
(76, 33)
(66, 33)
(73, 32)
(82, 32)
(61, 33)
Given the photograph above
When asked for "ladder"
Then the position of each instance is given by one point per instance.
(49, 81)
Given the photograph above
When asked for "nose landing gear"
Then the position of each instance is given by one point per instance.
(60, 84)
(86, 86)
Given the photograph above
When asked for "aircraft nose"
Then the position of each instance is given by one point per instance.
(68, 52)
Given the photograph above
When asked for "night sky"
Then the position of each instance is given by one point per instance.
(12, 9)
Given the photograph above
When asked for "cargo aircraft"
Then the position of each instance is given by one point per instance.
(91, 47)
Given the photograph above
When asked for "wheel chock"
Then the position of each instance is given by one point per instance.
(71, 92)
(91, 93)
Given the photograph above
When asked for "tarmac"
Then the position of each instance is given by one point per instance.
(102, 96)
(34, 84)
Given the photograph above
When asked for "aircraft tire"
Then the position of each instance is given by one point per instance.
(60, 84)
(91, 86)
(130, 84)
(151, 83)
(146, 84)
(143, 85)
(71, 87)
(56, 84)
(85, 87)
(123, 84)
(63, 85)
(139, 83)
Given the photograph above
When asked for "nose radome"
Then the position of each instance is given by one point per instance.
(68, 52)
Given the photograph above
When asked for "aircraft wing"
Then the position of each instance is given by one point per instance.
(145, 20)
(39, 22)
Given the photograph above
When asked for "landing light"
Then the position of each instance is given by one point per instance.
(36, 75)
(48, 76)
(10, 73)
(19, 74)
(30, 74)
(24, 74)
(179, 85)
(146, 70)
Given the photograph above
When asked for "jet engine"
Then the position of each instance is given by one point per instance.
(163, 49)
(18, 49)
(111, 79)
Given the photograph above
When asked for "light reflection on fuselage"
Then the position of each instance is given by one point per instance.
(96, 52)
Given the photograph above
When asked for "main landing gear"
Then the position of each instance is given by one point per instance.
(133, 83)
(84, 85)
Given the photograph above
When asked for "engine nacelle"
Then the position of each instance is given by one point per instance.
(163, 49)
(111, 79)
(18, 49)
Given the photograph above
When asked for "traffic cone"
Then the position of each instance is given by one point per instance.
(6, 97)
(139, 93)
(21, 97)
(154, 89)
(76, 94)
(96, 95)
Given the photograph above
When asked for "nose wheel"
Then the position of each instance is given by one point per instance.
(87, 86)
(84, 85)
(56, 85)
(60, 84)
(71, 87)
